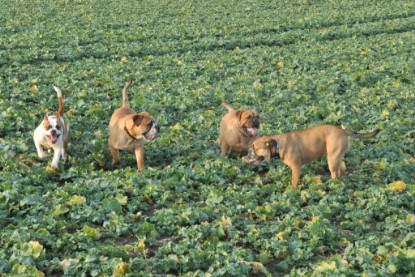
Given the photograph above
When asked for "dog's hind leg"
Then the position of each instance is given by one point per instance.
(115, 156)
(335, 166)
(65, 151)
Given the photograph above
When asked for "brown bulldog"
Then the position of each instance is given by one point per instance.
(299, 147)
(238, 130)
(128, 130)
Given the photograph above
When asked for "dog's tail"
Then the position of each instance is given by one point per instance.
(227, 106)
(125, 102)
(60, 101)
(363, 136)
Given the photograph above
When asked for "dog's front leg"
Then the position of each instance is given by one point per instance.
(56, 156)
(139, 155)
(40, 152)
(224, 148)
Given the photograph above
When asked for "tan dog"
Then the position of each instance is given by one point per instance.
(53, 133)
(128, 130)
(238, 129)
(299, 147)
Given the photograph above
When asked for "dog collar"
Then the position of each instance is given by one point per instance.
(128, 133)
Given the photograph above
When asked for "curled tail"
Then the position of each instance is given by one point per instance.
(227, 106)
(60, 101)
(125, 102)
(363, 136)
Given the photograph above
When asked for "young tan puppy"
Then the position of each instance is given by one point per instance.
(238, 129)
(128, 130)
(299, 147)
(53, 133)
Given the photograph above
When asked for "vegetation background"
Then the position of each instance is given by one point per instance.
(190, 212)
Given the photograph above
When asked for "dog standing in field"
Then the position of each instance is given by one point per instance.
(128, 130)
(238, 129)
(53, 133)
(299, 147)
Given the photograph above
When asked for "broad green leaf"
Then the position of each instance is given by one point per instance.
(121, 270)
(76, 200)
(60, 210)
(214, 197)
(91, 232)
(112, 205)
(324, 266)
(397, 186)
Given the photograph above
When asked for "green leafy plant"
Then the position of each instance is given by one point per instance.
(192, 212)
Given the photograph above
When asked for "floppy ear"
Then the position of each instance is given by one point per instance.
(46, 122)
(272, 144)
(137, 119)
(239, 114)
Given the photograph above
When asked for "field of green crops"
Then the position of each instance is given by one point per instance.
(192, 212)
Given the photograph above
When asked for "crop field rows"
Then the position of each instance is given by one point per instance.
(191, 212)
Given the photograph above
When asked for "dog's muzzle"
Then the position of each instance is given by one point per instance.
(152, 133)
(253, 158)
(250, 131)
(53, 137)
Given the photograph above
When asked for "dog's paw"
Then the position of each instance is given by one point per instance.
(43, 155)
(51, 169)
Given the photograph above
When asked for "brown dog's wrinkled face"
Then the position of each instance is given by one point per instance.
(249, 122)
(142, 125)
(263, 149)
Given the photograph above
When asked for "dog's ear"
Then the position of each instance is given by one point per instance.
(239, 115)
(137, 119)
(272, 144)
(46, 122)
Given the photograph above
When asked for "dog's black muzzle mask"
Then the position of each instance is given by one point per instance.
(254, 158)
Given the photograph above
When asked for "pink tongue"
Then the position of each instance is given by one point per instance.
(53, 138)
(253, 131)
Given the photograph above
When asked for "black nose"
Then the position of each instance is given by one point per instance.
(53, 132)
(158, 128)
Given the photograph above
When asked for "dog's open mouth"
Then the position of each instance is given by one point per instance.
(252, 132)
(149, 137)
(256, 160)
(150, 134)
(53, 138)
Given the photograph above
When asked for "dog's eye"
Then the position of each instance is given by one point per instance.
(58, 127)
(49, 127)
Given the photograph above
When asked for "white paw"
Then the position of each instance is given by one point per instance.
(43, 155)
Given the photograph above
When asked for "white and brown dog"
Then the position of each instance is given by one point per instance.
(53, 133)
